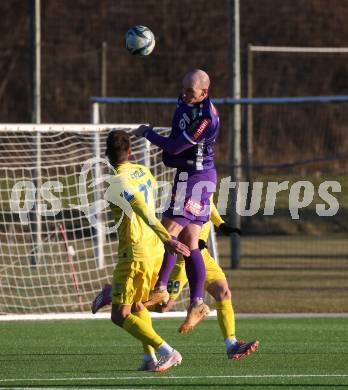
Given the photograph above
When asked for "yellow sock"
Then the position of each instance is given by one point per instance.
(225, 315)
(142, 331)
(145, 316)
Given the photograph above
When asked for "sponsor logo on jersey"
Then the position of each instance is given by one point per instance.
(184, 121)
(194, 207)
(182, 124)
(137, 173)
(199, 131)
(185, 116)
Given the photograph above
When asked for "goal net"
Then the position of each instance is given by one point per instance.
(57, 242)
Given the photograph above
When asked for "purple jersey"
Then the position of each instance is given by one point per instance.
(199, 123)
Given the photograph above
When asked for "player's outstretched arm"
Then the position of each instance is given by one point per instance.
(140, 208)
(170, 145)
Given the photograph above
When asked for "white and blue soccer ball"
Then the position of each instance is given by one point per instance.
(140, 40)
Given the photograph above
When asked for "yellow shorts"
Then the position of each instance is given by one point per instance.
(131, 282)
(178, 278)
(158, 260)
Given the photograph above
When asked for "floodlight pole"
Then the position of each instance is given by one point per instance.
(234, 90)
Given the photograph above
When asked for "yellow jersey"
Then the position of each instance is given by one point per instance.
(133, 208)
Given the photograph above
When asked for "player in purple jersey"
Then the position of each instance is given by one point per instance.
(189, 148)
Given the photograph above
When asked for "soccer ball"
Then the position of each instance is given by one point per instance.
(140, 40)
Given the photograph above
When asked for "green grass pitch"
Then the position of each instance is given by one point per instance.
(295, 353)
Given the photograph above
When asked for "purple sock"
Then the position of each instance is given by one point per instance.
(167, 266)
(195, 271)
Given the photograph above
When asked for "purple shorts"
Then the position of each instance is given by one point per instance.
(191, 195)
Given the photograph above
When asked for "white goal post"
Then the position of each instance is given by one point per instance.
(54, 256)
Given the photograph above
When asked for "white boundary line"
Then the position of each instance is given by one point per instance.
(179, 377)
(85, 316)
(84, 388)
(173, 314)
(291, 315)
